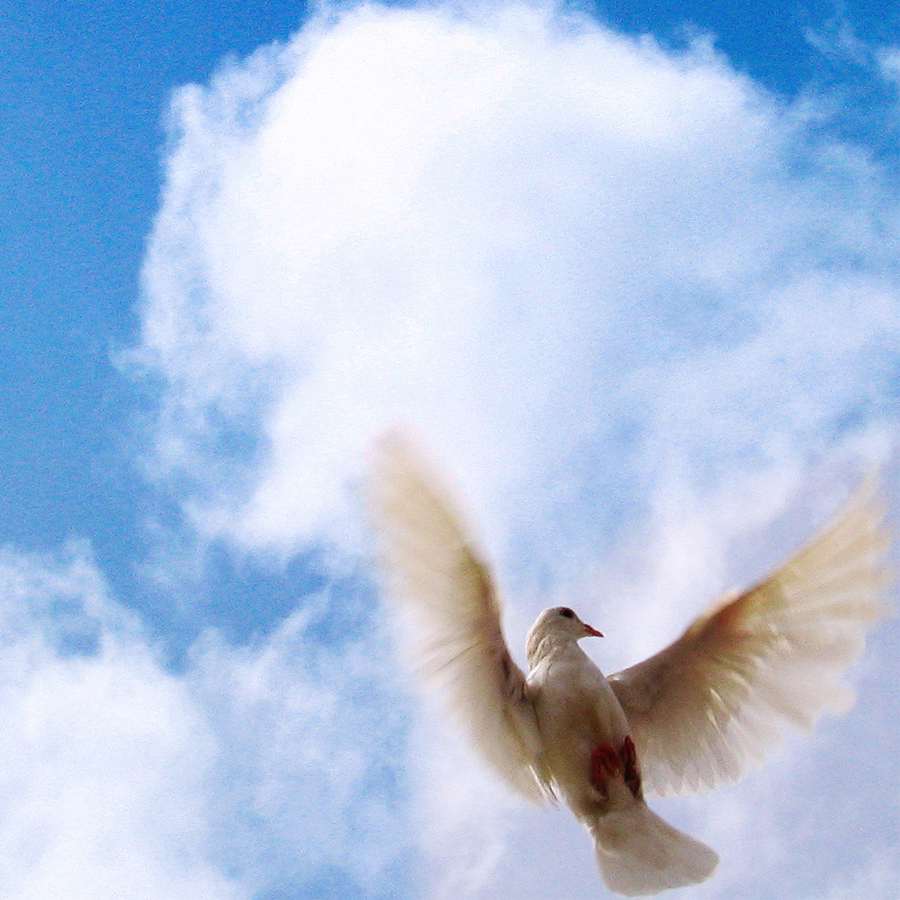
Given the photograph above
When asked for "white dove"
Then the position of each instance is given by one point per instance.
(693, 717)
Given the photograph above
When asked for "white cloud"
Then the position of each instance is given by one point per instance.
(888, 62)
(313, 735)
(106, 759)
(527, 236)
(629, 297)
(252, 770)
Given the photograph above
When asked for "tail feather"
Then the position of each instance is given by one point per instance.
(640, 854)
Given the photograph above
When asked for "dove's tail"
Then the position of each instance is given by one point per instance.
(640, 854)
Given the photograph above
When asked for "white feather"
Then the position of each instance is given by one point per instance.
(712, 704)
(640, 854)
(452, 614)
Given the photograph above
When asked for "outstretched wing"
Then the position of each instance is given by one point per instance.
(452, 611)
(707, 708)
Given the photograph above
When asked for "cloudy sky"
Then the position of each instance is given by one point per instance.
(630, 271)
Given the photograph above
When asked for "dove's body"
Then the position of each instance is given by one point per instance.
(582, 726)
(577, 712)
(696, 715)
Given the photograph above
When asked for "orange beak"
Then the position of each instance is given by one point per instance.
(592, 631)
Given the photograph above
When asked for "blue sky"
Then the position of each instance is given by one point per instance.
(631, 272)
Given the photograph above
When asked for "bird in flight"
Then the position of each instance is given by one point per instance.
(697, 715)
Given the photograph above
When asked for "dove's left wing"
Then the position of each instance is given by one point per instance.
(709, 706)
(447, 597)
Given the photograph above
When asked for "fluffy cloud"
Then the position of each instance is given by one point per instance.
(251, 772)
(106, 760)
(634, 301)
(568, 257)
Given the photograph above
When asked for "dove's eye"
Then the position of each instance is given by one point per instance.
(565, 611)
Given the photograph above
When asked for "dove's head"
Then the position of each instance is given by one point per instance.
(554, 627)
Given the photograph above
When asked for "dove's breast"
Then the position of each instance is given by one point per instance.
(576, 712)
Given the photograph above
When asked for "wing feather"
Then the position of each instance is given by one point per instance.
(447, 598)
(710, 706)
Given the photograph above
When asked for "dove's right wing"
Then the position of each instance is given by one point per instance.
(709, 706)
(445, 593)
